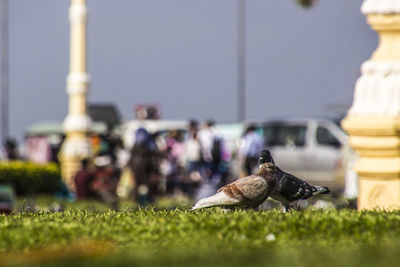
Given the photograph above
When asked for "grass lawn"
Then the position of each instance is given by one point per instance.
(202, 238)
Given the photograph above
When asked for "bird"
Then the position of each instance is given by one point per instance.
(247, 192)
(288, 187)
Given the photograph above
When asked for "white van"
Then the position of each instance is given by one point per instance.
(315, 150)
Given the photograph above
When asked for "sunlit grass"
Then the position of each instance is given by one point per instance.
(179, 237)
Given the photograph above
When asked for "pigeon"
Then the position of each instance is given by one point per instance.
(288, 187)
(247, 192)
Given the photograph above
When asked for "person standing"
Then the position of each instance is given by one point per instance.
(175, 148)
(206, 137)
(11, 149)
(83, 179)
(213, 160)
(193, 161)
(144, 163)
(105, 181)
(250, 147)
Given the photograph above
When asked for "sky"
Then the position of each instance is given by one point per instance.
(182, 55)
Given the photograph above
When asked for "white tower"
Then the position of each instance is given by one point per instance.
(77, 123)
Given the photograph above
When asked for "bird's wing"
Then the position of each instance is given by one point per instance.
(246, 190)
(293, 188)
(250, 190)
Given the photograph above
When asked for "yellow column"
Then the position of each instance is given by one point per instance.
(77, 122)
(373, 121)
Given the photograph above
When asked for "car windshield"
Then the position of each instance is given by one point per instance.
(5, 198)
(325, 137)
(285, 135)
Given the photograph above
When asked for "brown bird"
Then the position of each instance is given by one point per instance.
(247, 192)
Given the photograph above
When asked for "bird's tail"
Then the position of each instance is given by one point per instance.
(200, 205)
(219, 199)
(319, 190)
(205, 203)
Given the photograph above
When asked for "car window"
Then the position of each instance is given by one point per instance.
(5, 198)
(325, 137)
(285, 135)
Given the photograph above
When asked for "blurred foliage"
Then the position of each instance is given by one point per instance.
(30, 178)
(199, 238)
(43, 202)
(307, 3)
(181, 202)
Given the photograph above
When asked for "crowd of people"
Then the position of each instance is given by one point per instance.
(194, 162)
(160, 164)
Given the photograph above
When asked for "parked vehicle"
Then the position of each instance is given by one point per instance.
(7, 199)
(315, 150)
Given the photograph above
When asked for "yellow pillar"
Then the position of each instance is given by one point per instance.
(77, 122)
(373, 121)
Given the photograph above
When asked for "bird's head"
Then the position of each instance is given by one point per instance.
(265, 156)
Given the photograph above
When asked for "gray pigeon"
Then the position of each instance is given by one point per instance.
(247, 192)
(288, 187)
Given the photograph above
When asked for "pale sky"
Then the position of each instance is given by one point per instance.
(182, 55)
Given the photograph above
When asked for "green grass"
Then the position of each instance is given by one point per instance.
(49, 202)
(211, 237)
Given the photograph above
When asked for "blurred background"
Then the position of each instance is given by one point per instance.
(141, 50)
(169, 71)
